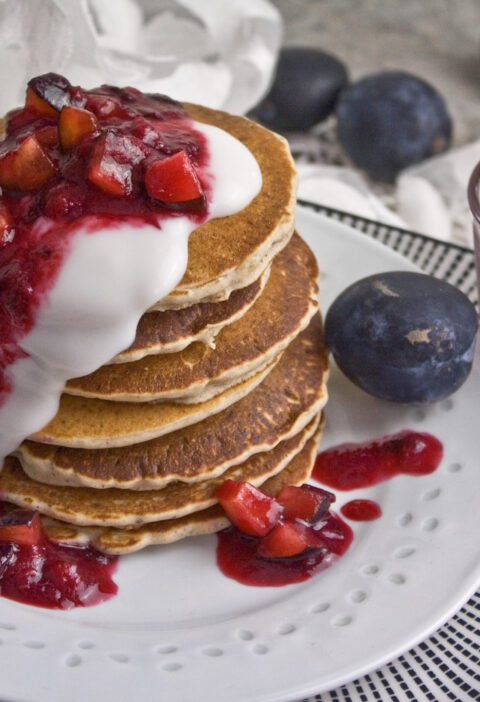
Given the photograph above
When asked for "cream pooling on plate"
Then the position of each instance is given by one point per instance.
(107, 281)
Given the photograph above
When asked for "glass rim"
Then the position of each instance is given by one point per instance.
(473, 192)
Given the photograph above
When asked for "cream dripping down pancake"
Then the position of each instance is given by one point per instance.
(228, 253)
(284, 402)
(285, 307)
(173, 330)
(74, 322)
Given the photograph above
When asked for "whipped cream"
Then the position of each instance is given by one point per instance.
(108, 279)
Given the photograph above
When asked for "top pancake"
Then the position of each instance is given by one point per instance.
(231, 252)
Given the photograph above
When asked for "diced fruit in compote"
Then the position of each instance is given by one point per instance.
(106, 171)
(73, 124)
(33, 167)
(18, 119)
(47, 137)
(166, 108)
(39, 104)
(166, 137)
(26, 168)
(251, 510)
(173, 179)
(7, 170)
(5, 224)
(104, 106)
(305, 502)
(172, 137)
(48, 93)
(20, 527)
(63, 200)
(287, 538)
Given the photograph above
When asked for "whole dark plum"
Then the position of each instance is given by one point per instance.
(391, 120)
(304, 90)
(404, 337)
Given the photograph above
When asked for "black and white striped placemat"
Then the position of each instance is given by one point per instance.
(445, 667)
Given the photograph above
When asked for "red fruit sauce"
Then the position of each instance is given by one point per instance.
(37, 224)
(345, 467)
(56, 576)
(237, 556)
(361, 510)
(358, 465)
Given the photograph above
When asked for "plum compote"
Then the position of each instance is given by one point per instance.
(280, 540)
(361, 510)
(37, 571)
(90, 158)
(358, 465)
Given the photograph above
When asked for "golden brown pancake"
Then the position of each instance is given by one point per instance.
(90, 423)
(285, 402)
(285, 307)
(173, 330)
(231, 252)
(124, 508)
(208, 521)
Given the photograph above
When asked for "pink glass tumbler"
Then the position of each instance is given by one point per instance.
(474, 202)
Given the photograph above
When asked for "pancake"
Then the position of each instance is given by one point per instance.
(231, 252)
(284, 403)
(123, 541)
(123, 508)
(285, 307)
(82, 423)
(173, 330)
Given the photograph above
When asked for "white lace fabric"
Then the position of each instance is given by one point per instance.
(221, 54)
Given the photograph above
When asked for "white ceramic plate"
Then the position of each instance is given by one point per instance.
(179, 630)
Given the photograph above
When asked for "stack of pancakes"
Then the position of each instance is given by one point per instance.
(225, 379)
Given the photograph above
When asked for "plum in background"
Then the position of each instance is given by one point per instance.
(391, 120)
(304, 91)
(403, 337)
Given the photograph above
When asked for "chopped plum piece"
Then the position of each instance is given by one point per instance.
(20, 118)
(251, 510)
(47, 137)
(63, 200)
(104, 106)
(305, 502)
(106, 171)
(26, 168)
(7, 170)
(6, 225)
(287, 538)
(32, 166)
(40, 105)
(173, 137)
(166, 108)
(20, 526)
(73, 124)
(5, 217)
(52, 89)
(173, 179)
